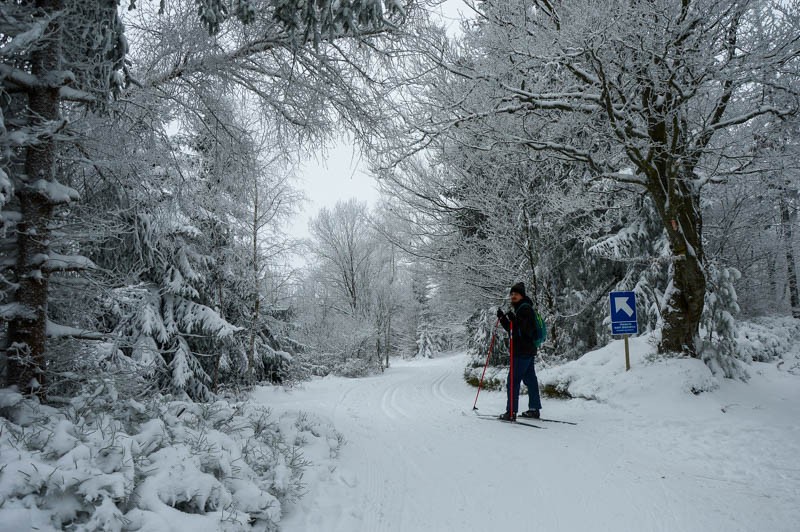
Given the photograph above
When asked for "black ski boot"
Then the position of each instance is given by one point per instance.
(533, 414)
(507, 417)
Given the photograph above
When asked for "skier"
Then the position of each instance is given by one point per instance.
(523, 319)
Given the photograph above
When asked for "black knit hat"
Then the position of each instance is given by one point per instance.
(519, 288)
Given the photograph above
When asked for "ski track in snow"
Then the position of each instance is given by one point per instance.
(417, 459)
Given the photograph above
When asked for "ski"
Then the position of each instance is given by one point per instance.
(547, 420)
(517, 423)
(495, 418)
(556, 421)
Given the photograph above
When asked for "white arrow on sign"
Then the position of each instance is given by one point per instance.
(622, 304)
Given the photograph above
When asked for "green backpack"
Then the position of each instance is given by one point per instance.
(541, 329)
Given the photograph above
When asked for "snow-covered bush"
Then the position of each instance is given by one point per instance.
(350, 359)
(354, 367)
(718, 346)
(100, 464)
(770, 338)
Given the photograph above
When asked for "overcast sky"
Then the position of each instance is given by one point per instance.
(343, 174)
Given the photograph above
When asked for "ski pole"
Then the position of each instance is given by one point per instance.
(511, 412)
(488, 356)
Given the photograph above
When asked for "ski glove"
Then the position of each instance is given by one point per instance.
(500, 314)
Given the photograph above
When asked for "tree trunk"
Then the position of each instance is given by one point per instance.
(786, 222)
(27, 329)
(531, 256)
(680, 211)
(388, 338)
(553, 332)
(670, 182)
(219, 354)
(772, 275)
(251, 355)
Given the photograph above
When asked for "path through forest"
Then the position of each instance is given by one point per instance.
(417, 459)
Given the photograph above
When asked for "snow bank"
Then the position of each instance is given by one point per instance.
(160, 466)
(600, 375)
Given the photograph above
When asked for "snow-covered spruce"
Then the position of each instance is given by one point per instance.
(164, 465)
(718, 345)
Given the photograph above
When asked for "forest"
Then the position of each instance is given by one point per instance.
(150, 279)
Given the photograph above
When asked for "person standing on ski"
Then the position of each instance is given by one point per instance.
(523, 319)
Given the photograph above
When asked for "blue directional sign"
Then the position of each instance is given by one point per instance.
(623, 313)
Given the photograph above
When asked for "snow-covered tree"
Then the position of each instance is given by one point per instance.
(46, 63)
(640, 98)
(487, 218)
(343, 243)
(719, 341)
(63, 60)
(426, 343)
(355, 302)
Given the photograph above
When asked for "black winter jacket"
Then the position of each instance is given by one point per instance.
(524, 328)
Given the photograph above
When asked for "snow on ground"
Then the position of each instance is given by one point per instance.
(663, 447)
(164, 466)
(666, 446)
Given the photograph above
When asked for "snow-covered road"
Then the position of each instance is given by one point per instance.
(416, 459)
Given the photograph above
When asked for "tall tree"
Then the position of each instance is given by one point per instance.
(60, 53)
(47, 62)
(659, 88)
(342, 241)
